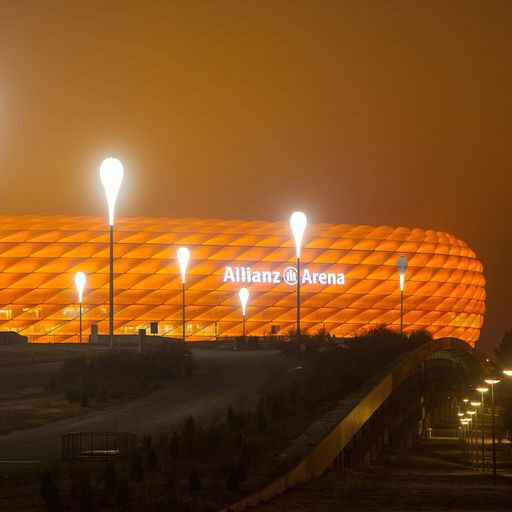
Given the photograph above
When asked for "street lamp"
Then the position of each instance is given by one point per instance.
(476, 405)
(244, 297)
(471, 413)
(183, 256)
(80, 285)
(401, 265)
(482, 390)
(111, 174)
(298, 223)
(492, 383)
(508, 373)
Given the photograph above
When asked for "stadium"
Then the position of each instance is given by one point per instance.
(349, 279)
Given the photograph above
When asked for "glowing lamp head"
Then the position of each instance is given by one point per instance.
(492, 381)
(482, 390)
(460, 414)
(401, 265)
(471, 413)
(244, 298)
(508, 373)
(80, 284)
(111, 174)
(476, 404)
(183, 256)
(298, 223)
(465, 400)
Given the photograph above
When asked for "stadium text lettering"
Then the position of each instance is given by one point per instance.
(288, 276)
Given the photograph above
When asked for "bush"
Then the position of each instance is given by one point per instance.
(136, 469)
(233, 483)
(84, 398)
(147, 441)
(87, 499)
(109, 479)
(231, 418)
(123, 495)
(49, 491)
(175, 446)
(152, 460)
(194, 482)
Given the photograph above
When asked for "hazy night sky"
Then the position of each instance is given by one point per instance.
(372, 112)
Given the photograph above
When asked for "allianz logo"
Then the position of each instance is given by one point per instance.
(288, 276)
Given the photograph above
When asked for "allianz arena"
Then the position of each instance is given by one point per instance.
(349, 278)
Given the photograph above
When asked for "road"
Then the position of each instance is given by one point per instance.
(222, 378)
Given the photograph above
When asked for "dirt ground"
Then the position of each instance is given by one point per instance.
(433, 476)
(222, 378)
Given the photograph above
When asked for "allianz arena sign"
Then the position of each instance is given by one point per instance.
(287, 276)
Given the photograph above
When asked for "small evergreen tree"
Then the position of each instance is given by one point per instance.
(503, 352)
(175, 446)
(190, 427)
(231, 418)
(194, 482)
(87, 500)
(137, 469)
(262, 421)
(49, 491)
(233, 483)
(109, 478)
(84, 397)
(152, 460)
(123, 495)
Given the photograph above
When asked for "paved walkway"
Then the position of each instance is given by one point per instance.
(434, 476)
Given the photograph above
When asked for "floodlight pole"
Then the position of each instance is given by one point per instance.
(111, 290)
(298, 223)
(183, 307)
(183, 256)
(298, 299)
(111, 174)
(401, 265)
(80, 321)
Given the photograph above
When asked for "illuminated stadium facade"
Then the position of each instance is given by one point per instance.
(349, 279)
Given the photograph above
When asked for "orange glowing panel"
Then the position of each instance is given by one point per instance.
(349, 278)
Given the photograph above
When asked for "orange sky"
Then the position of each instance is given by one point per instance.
(375, 112)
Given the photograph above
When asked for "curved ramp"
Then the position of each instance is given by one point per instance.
(317, 449)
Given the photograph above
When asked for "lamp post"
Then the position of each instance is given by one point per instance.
(482, 390)
(183, 256)
(476, 405)
(471, 413)
(298, 223)
(492, 383)
(464, 422)
(244, 297)
(111, 174)
(401, 265)
(80, 285)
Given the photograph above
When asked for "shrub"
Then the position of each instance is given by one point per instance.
(84, 398)
(231, 418)
(233, 483)
(49, 491)
(87, 500)
(147, 441)
(194, 482)
(123, 495)
(136, 469)
(109, 478)
(190, 427)
(175, 446)
(152, 460)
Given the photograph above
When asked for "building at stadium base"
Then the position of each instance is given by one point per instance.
(349, 279)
